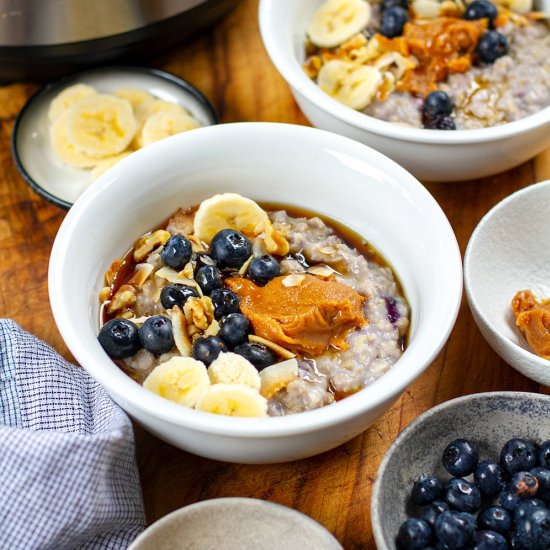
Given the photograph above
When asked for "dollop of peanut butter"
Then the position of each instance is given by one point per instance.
(533, 319)
(306, 317)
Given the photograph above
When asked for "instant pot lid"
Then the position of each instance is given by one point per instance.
(43, 39)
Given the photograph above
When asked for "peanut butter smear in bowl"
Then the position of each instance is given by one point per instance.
(533, 319)
(303, 313)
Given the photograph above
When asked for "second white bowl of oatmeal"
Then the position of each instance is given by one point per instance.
(281, 163)
(431, 155)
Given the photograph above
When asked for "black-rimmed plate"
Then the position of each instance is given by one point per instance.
(34, 157)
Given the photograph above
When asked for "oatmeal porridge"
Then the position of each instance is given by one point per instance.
(234, 309)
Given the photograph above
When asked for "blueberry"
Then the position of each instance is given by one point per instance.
(518, 455)
(257, 354)
(491, 46)
(156, 335)
(489, 477)
(460, 457)
(263, 268)
(414, 534)
(462, 495)
(454, 530)
(445, 122)
(544, 455)
(489, 540)
(207, 349)
(430, 513)
(515, 544)
(523, 507)
(426, 489)
(234, 329)
(176, 295)
(393, 21)
(481, 9)
(543, 477)
(176, 252)
(230, 248)
(508, 499)
(436, 104)
(386, 4)
(524, 485)
(495, 518)
(534, 529)
(225, 302)
(119, 338)
(209, 278)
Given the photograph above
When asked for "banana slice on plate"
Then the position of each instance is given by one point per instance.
(278, 376)
(349, 83)
(101, 125)
(134, 95)
(68, 97)
(229, 210)
(162, 125)
(180, 379)
(104, 164)
(148, 108)
(231, 368)
(232, 400)
(64, 149)
(337, 20)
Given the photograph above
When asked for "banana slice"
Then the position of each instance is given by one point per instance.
(134, 95)
(104, 164)
(337, 20)
(351, 84)
(162, 125)
(68, 97)
(229, 210)
(101, 125)
(232, 400)
(277, 377)
(148, 108)
(64, 149)
(180, 379)
(231, 368)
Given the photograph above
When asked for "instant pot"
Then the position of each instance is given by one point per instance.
(41, 39)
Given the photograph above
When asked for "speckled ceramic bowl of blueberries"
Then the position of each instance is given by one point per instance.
(501, 486)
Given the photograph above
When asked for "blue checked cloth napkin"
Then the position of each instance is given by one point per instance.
(68, 475)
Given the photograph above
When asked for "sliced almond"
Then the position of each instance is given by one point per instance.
(196, 244)
(141, 274)
(279, 350)
(147, 243)
(179, 329)
(277, 377)
(173, 276)
(295, 279)
(139, 320)
(328, 250)
(189, 270)
(244, 268)
(321, 270)
(212, 329)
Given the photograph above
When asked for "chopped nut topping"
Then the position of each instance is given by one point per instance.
(312, 66)
(197, 312)
(112, 271)
(104, 294)
(125, 297)
(189, 270)
(147, 243)
(275, 242)
(174, 277)
(196, 244)
(212, 329)
(323, 271)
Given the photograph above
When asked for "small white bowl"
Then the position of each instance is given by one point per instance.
(510, 251)
(279, 163)
(235, 524)
(429, 154)
(59, 183)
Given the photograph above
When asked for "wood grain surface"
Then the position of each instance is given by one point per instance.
(231, 67)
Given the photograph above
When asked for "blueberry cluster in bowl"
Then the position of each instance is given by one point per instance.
(230, 249)
(504, 505)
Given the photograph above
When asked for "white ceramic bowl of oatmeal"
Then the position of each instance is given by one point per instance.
(430, 155)
(279, 163)
(507, 253)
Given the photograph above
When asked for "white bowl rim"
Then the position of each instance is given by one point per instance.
(375, 498)
(293, 73)
(517, 349)
(130, 391)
